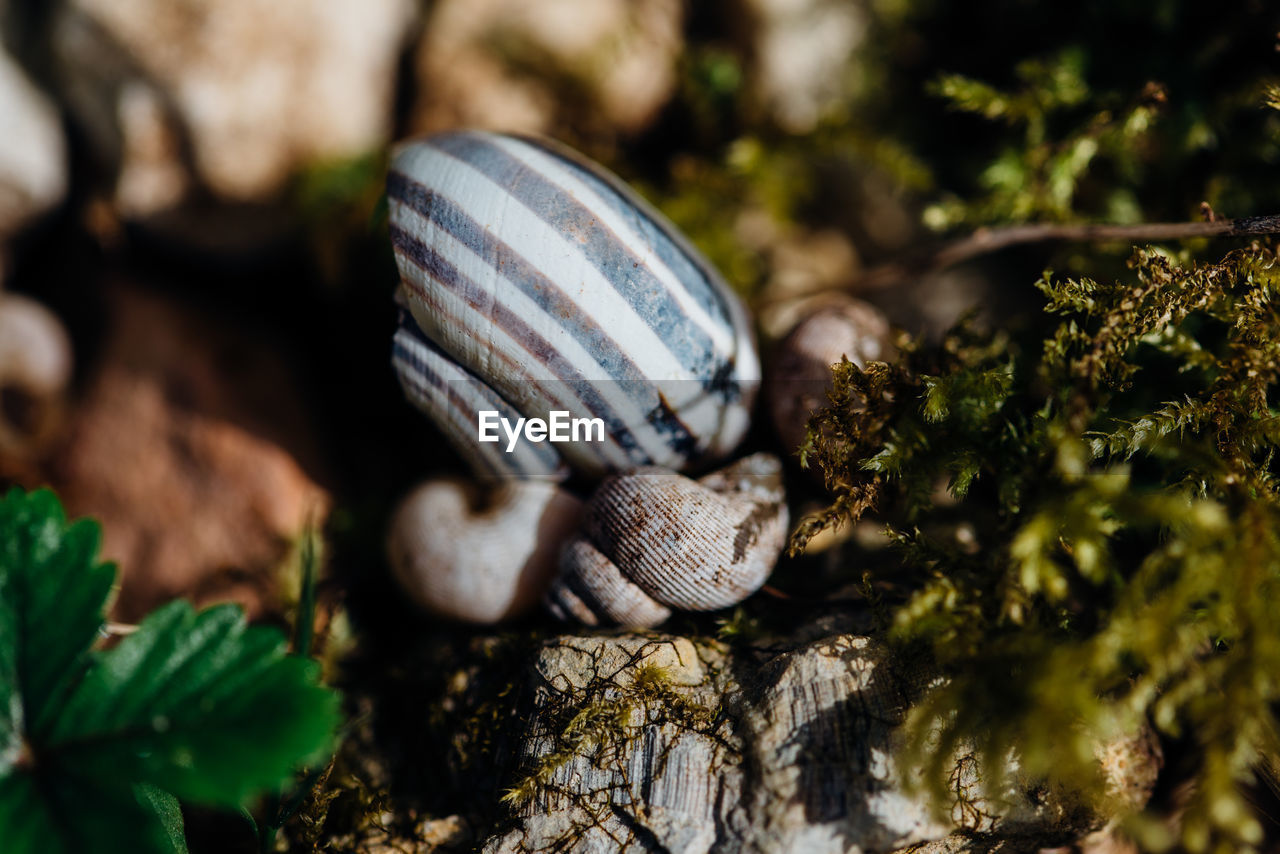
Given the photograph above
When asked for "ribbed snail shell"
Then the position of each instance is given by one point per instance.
(653, 541)
(479, 561)
(548, 281)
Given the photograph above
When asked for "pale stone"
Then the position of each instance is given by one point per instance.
(35, 351)
(192, 448)
(669, 775)
(33, 153)
(152, 177)
(833, 327)
(35, 367)
(803, 50)
(501, 64)
(235, 94)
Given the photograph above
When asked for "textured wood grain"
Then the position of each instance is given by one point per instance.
(640, 742)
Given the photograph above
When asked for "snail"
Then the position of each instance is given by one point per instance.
(654, 541)
(535, 281)
(479, 561)
(833, 328)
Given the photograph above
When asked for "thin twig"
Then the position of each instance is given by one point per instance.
(986, 240)
(770, 590)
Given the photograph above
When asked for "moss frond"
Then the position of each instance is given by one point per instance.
(1119, 478)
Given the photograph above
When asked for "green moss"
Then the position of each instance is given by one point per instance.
(1118, 472)
(1036, 175)
(600, 721)
(424, 754)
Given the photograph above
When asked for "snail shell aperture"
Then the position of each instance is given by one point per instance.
(535, 279)
(480, 564)
(653, 541)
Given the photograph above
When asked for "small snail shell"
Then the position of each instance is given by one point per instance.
(800, 377)
(548, 281)
(653, 541)
(35, 361)
(479, 563)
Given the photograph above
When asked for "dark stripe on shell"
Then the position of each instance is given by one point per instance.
(670, 247)
(451, 279)
(458, 419)
(543, 292)
(630, 277)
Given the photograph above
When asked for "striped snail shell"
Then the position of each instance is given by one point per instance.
(536, 281)
(654, 541)
(439, 386)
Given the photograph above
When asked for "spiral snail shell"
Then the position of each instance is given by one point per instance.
(653, 541)
(535, 281)
(475, 557)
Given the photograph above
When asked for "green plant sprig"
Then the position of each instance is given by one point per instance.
(1116, 483)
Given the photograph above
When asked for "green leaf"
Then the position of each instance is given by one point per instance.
(202, 705)
(94, 746)
(58, 813)
(52, 593)
(168, 812)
